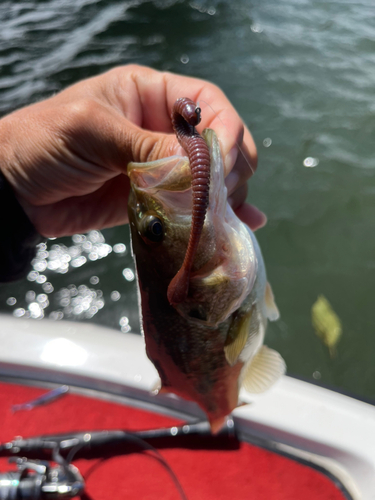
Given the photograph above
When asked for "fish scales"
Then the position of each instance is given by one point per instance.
(209, 345)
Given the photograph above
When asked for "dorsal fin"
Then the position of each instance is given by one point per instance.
(264, 370)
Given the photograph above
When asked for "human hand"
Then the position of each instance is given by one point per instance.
(66, 157)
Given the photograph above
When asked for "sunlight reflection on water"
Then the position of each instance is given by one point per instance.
(75, 301)
(304, 87)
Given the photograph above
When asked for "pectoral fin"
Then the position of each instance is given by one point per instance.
(272, 310)
(237, 337)
(264, 370)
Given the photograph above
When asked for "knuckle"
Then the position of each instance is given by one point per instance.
(77, 115)
(142, 147)
(127, 70)
(82, 109)
(149, 147)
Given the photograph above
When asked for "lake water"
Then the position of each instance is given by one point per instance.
(302, 75)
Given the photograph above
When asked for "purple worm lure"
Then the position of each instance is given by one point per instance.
(185, 116)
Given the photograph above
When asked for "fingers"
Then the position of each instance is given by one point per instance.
(97, 126)
(157, 93)
(238, 165)
(238, 197)
(105, 207)
(237, 145)
(251, 216)
(142, 146)
(146, 98)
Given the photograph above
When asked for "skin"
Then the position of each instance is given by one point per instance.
(66, 157)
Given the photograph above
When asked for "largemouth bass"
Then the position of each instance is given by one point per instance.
(209, 345)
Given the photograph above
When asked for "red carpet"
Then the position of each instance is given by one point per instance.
(249, 473)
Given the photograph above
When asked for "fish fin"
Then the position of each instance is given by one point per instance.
(264, 370)
(237, 338)
(272, 310)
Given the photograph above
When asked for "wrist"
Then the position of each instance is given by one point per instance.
(9, 139)
(19, 237)
(12, 153)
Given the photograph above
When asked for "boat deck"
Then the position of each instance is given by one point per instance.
(209, 468)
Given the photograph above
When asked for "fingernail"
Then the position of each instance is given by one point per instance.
(230, 159)
(231, 181)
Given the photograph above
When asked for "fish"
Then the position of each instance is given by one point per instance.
(326, 323)
(210, 344)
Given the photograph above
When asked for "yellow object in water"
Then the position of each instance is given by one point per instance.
(326, 323)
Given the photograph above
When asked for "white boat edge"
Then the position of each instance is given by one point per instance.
(332, 431)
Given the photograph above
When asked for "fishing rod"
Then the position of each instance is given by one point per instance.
(37, 478)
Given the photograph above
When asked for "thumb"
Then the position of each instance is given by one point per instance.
(105, 137)
(144, 145)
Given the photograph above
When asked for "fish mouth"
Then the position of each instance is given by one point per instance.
(173, 174)
(169, 174)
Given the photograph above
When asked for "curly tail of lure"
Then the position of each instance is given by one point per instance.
(185, 116)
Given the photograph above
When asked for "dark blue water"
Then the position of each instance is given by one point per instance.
(301, 73)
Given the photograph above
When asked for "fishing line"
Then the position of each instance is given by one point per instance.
(154, 453)
(164, 463)
(221, 121)
(73, 451)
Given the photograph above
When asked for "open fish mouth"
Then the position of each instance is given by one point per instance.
(171, 174)
(168, 181)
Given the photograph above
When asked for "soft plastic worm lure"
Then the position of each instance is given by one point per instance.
(185, 116)
(48, 397)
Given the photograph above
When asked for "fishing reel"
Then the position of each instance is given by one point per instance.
(39, 480)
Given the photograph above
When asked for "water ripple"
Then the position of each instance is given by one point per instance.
(301, 73)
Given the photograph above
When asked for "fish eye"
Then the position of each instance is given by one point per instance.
(153, 230)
